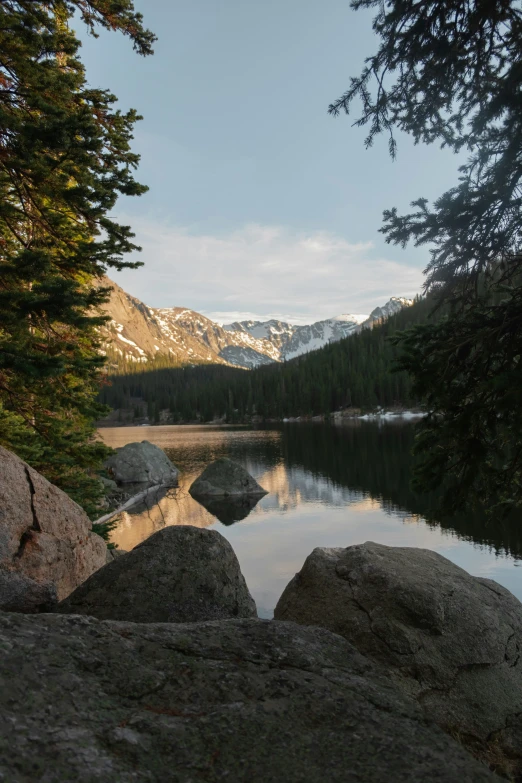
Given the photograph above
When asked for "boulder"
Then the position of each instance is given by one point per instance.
(140, 463)
(238, 700)
(225, 478)
(113, 554)
(108, 484)
(450, 640)
(47, 547)
(180, 574)
(20, 593)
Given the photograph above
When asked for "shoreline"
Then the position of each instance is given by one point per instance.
(334, 418)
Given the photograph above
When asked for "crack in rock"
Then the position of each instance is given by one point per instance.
(27, 534)
(36, 524)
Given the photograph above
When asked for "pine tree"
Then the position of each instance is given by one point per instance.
(450, 72)
(64, 158)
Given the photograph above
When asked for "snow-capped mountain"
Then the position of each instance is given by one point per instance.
(292, 341)
(276, 332)
(391, 307)
(138, 333)
(314, 336)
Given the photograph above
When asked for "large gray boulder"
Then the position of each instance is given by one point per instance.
(225, 478)
(180, 574)
(450, 640)
(47, 547)
(140, 463)
(246, 701)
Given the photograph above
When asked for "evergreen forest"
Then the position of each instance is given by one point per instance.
(357, 372)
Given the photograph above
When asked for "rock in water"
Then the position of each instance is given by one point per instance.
(451, 640)
(47, 547)
(224, 478)
(180, 574)
(140, 463)
(247, 701)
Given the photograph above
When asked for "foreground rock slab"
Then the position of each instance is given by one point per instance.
(180, 574)
(140, 463)
(450, 640)
(47, 547)
(238, 700)
(225, 478)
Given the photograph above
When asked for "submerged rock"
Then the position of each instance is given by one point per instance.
(47, 547)
(225, 478)
(180, 574)
(450, 640)
(240, 700)
(140, 463)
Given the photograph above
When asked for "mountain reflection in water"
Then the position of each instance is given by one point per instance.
(328, 486)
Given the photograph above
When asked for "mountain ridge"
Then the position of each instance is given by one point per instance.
(137, 333)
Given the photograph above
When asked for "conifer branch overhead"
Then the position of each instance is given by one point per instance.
(451, 72)
(65, 158)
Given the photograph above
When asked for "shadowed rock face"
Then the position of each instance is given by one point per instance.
(450, 640)
(142, 463)
(180, 574)
(47, 547)
(225, 478)
(229, 510)
(240, 700)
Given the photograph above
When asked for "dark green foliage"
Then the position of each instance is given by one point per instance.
(64, 159)
(468, 367)
(451, 72)
(355, 372)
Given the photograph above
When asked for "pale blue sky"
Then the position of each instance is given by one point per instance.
(259, 201)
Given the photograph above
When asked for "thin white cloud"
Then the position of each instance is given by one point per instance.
(263, 271)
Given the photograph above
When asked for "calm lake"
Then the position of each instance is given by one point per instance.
(328, 486)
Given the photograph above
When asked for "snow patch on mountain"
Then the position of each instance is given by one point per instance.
(351, 318)
(139, 333)
(391, 307)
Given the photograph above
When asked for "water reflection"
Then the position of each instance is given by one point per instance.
(328, 486)
(228, 510)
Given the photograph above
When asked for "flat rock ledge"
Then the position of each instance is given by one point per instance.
(451, 641)
(223, 479)
(238, 700)
(179, 574)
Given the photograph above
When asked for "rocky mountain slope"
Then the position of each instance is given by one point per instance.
(391, 307)
(138, 333)
(292, 341)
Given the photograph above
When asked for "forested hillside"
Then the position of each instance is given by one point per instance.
(355, 372)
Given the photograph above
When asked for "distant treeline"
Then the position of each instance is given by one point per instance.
(354, 372)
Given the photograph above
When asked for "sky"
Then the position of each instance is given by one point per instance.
(260, 204)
